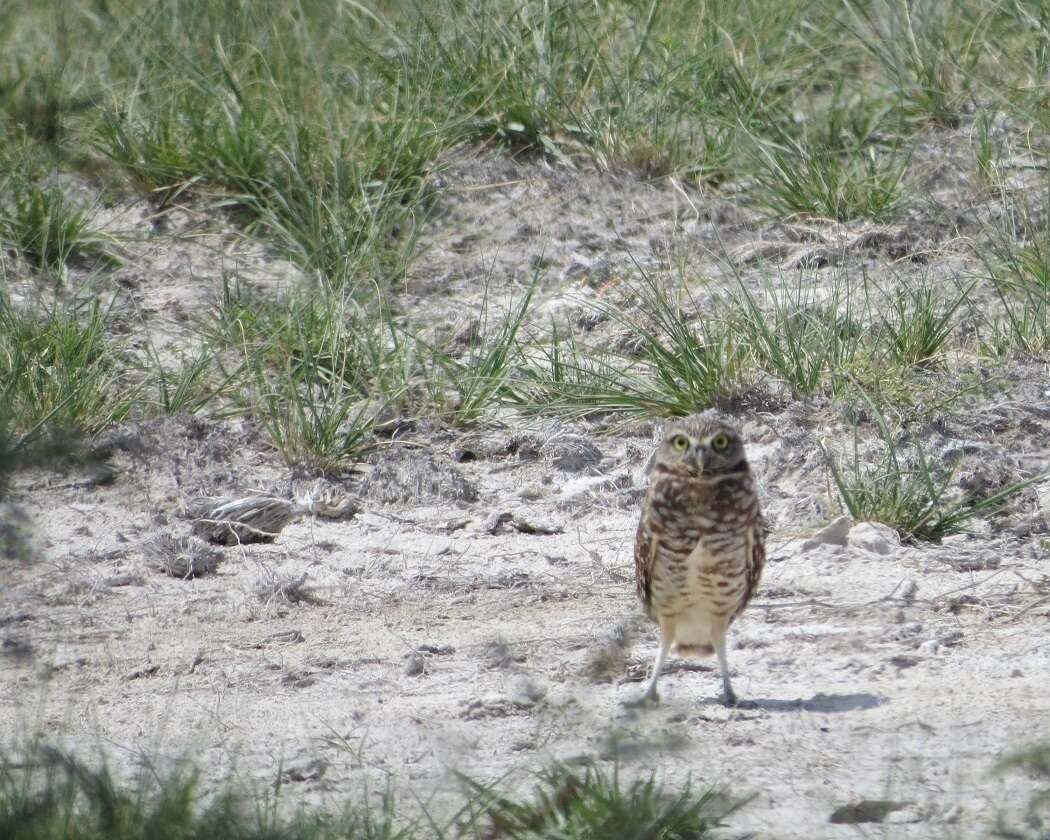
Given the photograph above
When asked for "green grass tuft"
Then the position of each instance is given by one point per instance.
(920, 322)
(59, 371)
(55, 797)
(48, 229)
(813, 180)
(672, 365)
(594, 804)
(904, 490)
(811, 342)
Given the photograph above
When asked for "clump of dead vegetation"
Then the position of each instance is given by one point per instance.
(181, 556)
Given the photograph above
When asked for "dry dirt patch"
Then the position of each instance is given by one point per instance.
(477, 612)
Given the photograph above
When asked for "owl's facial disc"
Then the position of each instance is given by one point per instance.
(702, 445)
(723, 450)
(685, 453)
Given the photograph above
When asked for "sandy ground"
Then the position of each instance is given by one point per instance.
(434, 637)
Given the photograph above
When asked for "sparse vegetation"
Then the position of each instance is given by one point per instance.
(597, 803)
(60, 370)
(325, 142)
(908, 492)
(56, 797)
(854, 226)
(811, 343)
(817, 180)
(48, 230)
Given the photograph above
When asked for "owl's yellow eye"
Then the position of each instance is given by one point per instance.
(720, 443)
(680, 442)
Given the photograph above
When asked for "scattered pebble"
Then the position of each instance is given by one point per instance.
(503, 520)
(874, 537)
(866, 811)
(572, 453)
(415, 665)
(524, 692)
(309, 771)
(285, 637)
(834, 533)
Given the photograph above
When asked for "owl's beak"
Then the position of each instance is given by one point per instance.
(695, 461)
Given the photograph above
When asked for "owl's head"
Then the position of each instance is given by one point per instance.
(702, 444)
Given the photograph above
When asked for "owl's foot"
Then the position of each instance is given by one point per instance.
(731, 701)
(650, 698)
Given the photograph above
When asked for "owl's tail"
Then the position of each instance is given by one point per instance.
(693, 650)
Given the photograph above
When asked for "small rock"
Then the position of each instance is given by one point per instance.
(909, 814)
(284, 637)
(951, 638)
(929, 647)
(436, 650)
(866, 811)
(309, 771)
(499, 521)
(525, 693)
(874, 537)
(834, 533)
(572, 453)
(415, 665)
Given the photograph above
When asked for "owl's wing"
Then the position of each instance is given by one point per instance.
(644, 560)
(754, 562)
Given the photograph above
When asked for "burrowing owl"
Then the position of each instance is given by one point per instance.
(700, 546)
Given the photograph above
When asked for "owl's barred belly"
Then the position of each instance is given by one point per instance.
(697, 597)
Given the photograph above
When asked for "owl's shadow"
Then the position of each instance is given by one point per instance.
(820, 703)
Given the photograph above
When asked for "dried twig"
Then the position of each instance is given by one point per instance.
(292, 590)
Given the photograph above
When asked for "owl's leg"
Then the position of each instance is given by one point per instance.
(729, 696)
(666, 635)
